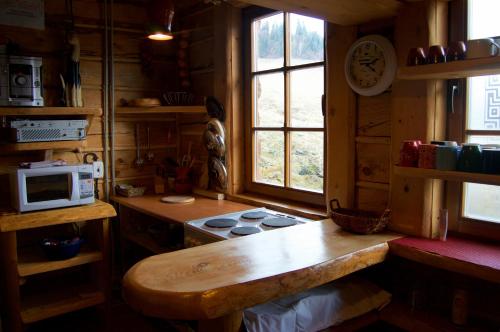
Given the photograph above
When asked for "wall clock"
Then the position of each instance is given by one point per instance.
(370, 65)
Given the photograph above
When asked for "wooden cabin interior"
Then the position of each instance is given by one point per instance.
(256, 115)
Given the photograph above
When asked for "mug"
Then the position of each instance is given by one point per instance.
(456, 51)
(445, 143)
(408, 155)
(416, 56)
(446, 157)
(470, 158)
(482, 48)
(427, 156)
(436, 54)
(491, 161)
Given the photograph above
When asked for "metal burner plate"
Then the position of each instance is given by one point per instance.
(221, 223)
(245, 230)
(279, 222)
(254, 215)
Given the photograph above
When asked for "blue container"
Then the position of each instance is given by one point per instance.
(59, 249)
(446, 157)
(491, 161)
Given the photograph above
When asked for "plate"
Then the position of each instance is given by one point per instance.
(175, 199)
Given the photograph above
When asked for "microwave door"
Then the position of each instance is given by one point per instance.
(48, 188)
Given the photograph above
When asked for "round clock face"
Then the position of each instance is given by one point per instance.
(367, 65)
(370, 65)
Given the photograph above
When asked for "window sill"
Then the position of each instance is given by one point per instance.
(303, 210)
(470, 257)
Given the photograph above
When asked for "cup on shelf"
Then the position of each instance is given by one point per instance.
(482, 48)
(408, 155)
(436, 54)
(470, 158)
(456, 51)
(416, 56)
(491, 161)
(427, 156)
(447, 157)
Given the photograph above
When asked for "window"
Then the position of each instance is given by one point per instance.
(285, 84)
(478, 204)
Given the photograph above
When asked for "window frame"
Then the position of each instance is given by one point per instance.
(456, 130)
(282, 193)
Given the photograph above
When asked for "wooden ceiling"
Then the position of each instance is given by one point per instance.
(342, 12)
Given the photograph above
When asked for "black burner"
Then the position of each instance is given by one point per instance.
(254, 215)
(245, 230)
(221, 223)
(279, 222)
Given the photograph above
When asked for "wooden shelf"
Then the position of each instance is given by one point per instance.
(11, 221)
(57, 145)
(161, 110)
(414, 172)
(33, 261)
(59, 300)
(451, 70)
(144, 240)
(48, 111)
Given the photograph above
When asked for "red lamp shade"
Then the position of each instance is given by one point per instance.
(161, 14)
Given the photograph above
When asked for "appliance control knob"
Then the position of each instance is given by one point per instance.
(37, 84)
(21, 80)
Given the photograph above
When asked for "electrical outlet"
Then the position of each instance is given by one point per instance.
(98, 169)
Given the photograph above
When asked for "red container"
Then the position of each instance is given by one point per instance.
(427, 156)
(408, 156)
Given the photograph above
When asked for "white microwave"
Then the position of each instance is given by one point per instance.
(52, 187)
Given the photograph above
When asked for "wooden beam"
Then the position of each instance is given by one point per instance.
(340, 118)
(340, 12)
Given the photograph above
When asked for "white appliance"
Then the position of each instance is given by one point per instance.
(52, 187)
(20, 81)
(236, 224)
(47, 130)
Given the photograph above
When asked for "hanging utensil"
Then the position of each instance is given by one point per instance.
(150, 156)
(139, 162)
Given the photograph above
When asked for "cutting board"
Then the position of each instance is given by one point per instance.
(174, 199)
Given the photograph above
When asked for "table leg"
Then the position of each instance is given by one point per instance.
(228, 323)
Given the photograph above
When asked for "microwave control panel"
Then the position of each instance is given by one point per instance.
(86, 184)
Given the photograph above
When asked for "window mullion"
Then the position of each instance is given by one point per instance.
(286, 36)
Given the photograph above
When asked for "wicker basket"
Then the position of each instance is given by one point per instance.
(129, 191)
(356, 221)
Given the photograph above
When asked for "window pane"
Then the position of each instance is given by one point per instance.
(306, 88)
(267, 46)
(306, 161)
(269, 100)
(306, 39)
(269, 161)
(482, 202)
(483, 18)
(483, 104)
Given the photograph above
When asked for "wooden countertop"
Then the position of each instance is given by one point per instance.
(13, 221)
(220, 278)
(201, 208)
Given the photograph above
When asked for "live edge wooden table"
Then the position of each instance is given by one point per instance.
(214, 282)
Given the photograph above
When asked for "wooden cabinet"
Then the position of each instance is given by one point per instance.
(34, 288)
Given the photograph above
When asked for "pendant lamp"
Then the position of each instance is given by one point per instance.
(161, 14)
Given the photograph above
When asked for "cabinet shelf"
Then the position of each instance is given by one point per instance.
(145, 241)
(451, 70)
(161, 110)
(34, 146)
(12, 221)
(56, 301)
(414, 172)
(33, 261)
(49, 111)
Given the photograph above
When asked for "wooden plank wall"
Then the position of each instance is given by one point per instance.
(373, 139)
(132, 79)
